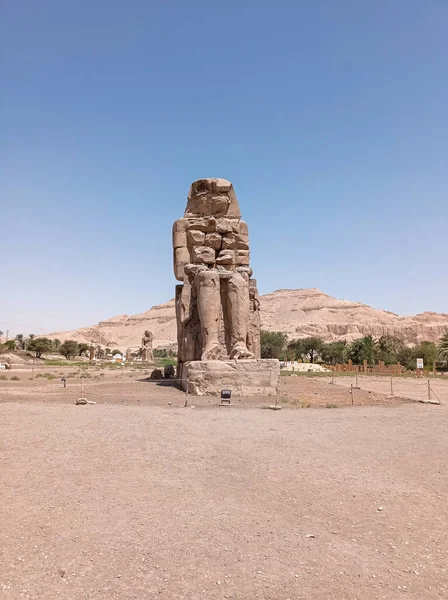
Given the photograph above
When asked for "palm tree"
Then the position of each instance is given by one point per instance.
(365, 348)
(442, 349)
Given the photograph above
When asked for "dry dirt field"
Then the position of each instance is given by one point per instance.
(130, 386)
(408, 387)
(134, 498)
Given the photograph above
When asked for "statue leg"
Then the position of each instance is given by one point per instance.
(209, 302)
(239, 314)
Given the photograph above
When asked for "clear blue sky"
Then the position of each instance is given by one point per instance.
(330, 118)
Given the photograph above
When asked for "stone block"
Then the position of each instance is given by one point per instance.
(223, 225)
(242, 257)
(245, 378)
(229, 241)
(181, 258)
(222, 185)
(180, 225)
(213, 240)
(206, 224)
(243, 228)
(181, 255)
(179, 239)
(179, 271)
(226, 257)
(203, 254)
(195, 238)
(242, 245)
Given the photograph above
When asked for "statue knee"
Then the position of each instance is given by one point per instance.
(237, 282)
(208, 278)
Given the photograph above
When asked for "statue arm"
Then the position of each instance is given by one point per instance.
(181, 253)
(185, 303)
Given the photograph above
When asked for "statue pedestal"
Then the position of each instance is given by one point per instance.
(245, 378)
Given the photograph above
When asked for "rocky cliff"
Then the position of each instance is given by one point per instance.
(299, 313)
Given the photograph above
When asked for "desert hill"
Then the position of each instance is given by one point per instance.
(299, 313)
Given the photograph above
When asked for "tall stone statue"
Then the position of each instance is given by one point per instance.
(217, 306)
(146, 347)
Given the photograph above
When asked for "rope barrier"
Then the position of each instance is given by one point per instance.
(422, 391)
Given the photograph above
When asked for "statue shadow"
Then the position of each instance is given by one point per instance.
(175, 383)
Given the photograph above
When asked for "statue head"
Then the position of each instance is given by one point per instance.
(212, 197)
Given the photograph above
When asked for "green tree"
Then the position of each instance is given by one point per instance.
(389, 348)
(1, 333)
(39, 346)
(21, 342)
(334, 352)
(312, 346)
(442, 349)
(272, 344)
(82, 349)
(365, 348)
(116, 351)
(107, 351)
(55, 345)
(10, 345)
(295, 350)
(69, 349)
(427, 351)
(406, 357)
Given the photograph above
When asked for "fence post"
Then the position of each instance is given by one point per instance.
(429, 391)
(351, 391)
(391, 386)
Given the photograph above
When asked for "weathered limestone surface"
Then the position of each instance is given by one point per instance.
(245, 378)
(217, 305)
(146, 347)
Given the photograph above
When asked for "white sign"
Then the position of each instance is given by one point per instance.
(419, 363)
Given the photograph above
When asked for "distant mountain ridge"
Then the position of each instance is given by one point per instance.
(299, 313)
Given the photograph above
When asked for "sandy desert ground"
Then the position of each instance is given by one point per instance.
(137, 497)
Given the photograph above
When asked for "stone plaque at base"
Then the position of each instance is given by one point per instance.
(245, 378)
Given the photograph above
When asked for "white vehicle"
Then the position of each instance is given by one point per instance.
(2, 367)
